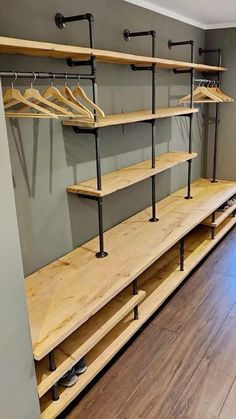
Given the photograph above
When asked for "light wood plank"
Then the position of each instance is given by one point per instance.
(159, 282)
(120, 179)
(85, 338)
(90, 283)
(46, 49)
(219, 217)
(130, 117)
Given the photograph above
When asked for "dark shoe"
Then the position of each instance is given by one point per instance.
(69, 379)
(81, 366)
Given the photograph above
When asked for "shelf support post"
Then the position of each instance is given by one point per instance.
(135, 292)
(213, 219)
(219, 52)
(52, 367)
(181, 254)
(127, 35)
(172, 44)
(101, 253)
(61, 21)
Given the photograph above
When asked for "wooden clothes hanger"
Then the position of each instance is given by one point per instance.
(66, 91)
(54, 95)
(78, 91)
(13, 96)
(32, 93)
(202, 93)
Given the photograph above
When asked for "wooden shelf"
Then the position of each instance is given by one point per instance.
(85, 338)
(46, 49)
(219, 217)
(130, 117)
(89, 283)
(120, 179)
(158, 282)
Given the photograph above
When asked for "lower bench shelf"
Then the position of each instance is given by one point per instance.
(85, 338)
(158, 282)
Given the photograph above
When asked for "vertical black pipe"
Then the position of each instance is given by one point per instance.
(55, 395)
(190, 124)
(101, 253)
(215, 144)
(52, 367)
(181, 254)
(52, 362)
(98, 159)
(135, 292)
(153, 178)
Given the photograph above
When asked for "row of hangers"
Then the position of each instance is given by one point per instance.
(56, 103)
(207, 92)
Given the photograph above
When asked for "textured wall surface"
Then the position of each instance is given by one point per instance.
(46, 157)
(226, 169)
(18, 395)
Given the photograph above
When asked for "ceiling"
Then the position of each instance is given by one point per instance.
(205, 14)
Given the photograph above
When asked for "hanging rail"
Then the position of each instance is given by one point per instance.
(44, 75)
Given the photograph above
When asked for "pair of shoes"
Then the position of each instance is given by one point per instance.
(70, 378)
(231, 202)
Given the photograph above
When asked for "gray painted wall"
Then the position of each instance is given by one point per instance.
(46, 157)
(226, 169)
(18, 397)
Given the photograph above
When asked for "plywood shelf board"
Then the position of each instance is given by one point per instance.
(219, 217)
(85, 338)
(131, 117)
(46, 49)
(89, 283)
(120, 179)
(159, 282)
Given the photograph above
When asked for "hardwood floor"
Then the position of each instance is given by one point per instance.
(183, 365)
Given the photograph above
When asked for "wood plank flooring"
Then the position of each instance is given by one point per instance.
(183, 365)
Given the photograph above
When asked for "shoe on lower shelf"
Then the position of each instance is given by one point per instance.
(231, 202)
(69, 379)
(81, 366)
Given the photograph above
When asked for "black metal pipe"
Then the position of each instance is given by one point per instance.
(135, 292)
(181, 254)
(206, 51)
(215, 145)
(98, 159)
(101, 253)
(55, 395)
(61, 20)
(212, 233)
(45, 75)
(179, 43)
(127, 34)
(52, 362)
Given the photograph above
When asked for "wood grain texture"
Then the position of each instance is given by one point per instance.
(161, 388)
(209, 386)
(219, 217)
(85, 338)
(158, 282)
(125, 374)
(46, 49)
(229, 408)
(130, 117)
(122, 178)
(89, 283)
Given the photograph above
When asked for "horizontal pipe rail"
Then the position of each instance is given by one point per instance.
(44, 75)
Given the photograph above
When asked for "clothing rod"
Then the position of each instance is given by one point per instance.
(205, 81)
(44, 75)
